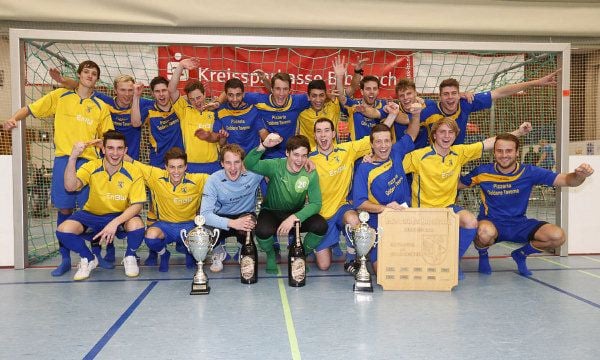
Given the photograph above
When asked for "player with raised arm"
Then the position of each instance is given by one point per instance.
(321, 106)
(78, 116)
(451, 105)
(200, 129)
(381, 184)
(505, 188)
(116, 197)
(293, 195)
(436, 171)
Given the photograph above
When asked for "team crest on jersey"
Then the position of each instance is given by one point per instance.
(89, 109)
(184, 190)
(450, 162)
(337, 159)
(301, 184)
(120, 184)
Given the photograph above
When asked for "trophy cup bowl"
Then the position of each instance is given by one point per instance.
(199, 241)
(363, 238)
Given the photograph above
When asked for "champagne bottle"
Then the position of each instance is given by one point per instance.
(249, 261)
(297, 261)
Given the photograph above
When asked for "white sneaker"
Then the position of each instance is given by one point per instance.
(217, 261)
(131, 266)
(84, 268)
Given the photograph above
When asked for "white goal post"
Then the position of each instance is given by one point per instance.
(19, 222)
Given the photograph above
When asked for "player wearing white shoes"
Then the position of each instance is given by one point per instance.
(116, 198)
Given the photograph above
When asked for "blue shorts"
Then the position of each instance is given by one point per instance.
(456, 208)
(94, 223)
(172, 231)
(205, 168)
(61, 198)
(334, 225)
(519, 230)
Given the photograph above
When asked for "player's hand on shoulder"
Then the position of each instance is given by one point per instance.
(468, 95)
(391, 108)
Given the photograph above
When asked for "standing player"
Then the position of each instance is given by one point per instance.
(452, 106)
(176, 200)
(78, 116)
(293, 195)
(436, 171)
(229, 200)
(198, 126)
(381, 184)
(240, 120)
(505, 188)
(320, 107)
(116, 198)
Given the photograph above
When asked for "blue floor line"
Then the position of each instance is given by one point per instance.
(120, 321)
(589, 302)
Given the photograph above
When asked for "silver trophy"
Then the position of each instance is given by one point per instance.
(363, 237)
(199, 242)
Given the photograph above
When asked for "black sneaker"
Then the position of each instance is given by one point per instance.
(352, 267)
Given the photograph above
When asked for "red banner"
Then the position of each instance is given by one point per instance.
(221, 63)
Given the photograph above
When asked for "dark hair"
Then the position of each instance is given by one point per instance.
(113, 135)
(88, 64)
(175, 153)
(158, 80)
(322, 120)
(234, 149)
(317, 84)
(234, 83)
(193, 85)
(367, 79)
(379, 128)
(297, 141)
(507, 137)
(405, 84)
(449, 82)
(285, 77)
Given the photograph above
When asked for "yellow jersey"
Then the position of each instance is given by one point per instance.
(307, 119)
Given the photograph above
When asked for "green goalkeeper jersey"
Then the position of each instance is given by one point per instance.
(287, 191)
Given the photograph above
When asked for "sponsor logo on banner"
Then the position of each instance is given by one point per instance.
(221, 63)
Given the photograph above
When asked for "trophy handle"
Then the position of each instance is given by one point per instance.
(183, 236)
(215, 234)
(377, 235)
(348, 230)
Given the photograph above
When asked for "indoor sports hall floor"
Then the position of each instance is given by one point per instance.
(554, 314)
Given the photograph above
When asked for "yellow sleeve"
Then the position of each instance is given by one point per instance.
(46, 105)
(84, 173)
(137, 193)
(471, 152)
(407, 163)
(180, 107)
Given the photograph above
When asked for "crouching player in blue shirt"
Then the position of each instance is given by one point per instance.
(505, 188)
(229, 200)
(116, 197)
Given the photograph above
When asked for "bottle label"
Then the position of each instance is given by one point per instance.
(298, 269)
(247, 267)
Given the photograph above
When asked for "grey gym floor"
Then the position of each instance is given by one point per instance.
(554, 314)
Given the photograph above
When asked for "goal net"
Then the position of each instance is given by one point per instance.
(475, 70)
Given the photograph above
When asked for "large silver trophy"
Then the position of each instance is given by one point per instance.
(199, 242)
(363, 237)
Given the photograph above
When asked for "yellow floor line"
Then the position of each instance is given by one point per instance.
(591, 258)
(289, 322)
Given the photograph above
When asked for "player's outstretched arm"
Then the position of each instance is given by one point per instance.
(65, 82)
(339, 69)
(136, 114)
(575, 178)
(72, 182)
(512, 89)
(524, 129)
(11, 123)
(189, 64)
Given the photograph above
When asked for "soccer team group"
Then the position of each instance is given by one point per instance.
(212, 158)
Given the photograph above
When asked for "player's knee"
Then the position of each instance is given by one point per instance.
(134, 223)
(467, 220)
(556, 237)
(351, 218)
(485, 235)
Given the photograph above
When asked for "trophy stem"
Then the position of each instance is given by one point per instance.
(200, 282)
(362, 280)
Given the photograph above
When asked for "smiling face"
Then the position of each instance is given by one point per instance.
(449, 99)
(233, 165)
(124, 91)
(161, 94)
(406, 97)
(296, 159)
(317, 99)
(114, 150)
(281, 92)
(324, 135)
(381, 144)
(505, 155)
(176, 169)
(235, 96)
(444, 137)
(370, 91)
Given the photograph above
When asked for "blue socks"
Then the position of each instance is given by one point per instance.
(164, 261)
(134, 240)
(484, 261)
(465, 238)
(110, 252)
(75, 243)
(62, 250)
(96, 250)
(520, 257)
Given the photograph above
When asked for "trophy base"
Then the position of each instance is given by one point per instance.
(362, 286)
(200, 289)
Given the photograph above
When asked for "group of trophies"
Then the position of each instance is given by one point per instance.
(199, 241)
